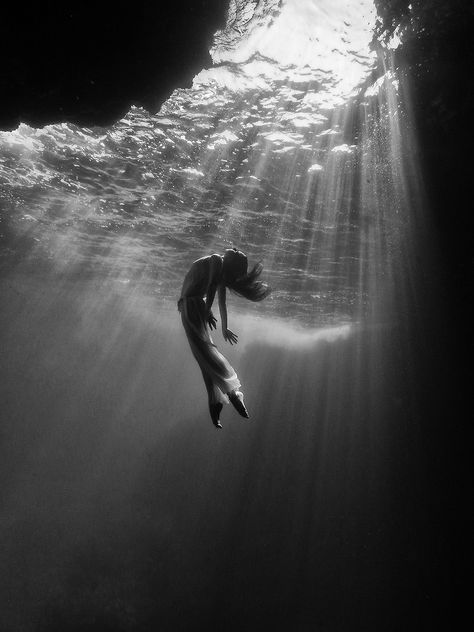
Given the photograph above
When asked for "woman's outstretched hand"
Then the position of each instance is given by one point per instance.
(211, 321)
(230, 336)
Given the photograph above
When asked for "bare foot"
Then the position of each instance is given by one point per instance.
(236, 398)
(215, 410)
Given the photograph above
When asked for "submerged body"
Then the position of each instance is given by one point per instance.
(207, 276)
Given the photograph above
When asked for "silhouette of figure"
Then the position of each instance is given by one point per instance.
(208, 275)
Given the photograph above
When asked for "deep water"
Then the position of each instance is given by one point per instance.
(124, 509)
(337, 506)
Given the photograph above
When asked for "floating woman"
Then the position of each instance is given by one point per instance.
(206, 276)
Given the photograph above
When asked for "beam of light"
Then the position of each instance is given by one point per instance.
(285, 152)
(300, 171)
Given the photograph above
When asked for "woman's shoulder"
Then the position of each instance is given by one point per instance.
(216, 259)
(208, 265)
(216, 263)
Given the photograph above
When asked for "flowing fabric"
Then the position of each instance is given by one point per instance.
(219, 376)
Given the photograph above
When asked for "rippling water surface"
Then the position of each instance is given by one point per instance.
(122, 506)
(266, 151)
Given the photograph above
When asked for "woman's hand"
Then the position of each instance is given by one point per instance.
(230, 336)
(211, 320)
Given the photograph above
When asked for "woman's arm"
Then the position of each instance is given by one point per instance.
(211, 319)
(215, 265)
(227, 333)
(222, 308)
(210, 294)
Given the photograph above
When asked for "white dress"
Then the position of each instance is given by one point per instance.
(219, 376)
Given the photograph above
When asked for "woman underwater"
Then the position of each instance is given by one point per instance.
(206, 276)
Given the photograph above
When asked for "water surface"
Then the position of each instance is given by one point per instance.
(122, 507)
(260, 153)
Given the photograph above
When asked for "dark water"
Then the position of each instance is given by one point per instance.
(122, 507)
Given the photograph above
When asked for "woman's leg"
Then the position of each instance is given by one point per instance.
(218, 374)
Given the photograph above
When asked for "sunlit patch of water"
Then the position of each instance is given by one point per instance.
(308, 161)
(285, 148)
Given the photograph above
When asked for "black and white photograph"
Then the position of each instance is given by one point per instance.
(236, 315)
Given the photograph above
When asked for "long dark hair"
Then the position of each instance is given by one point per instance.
(247, 284)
